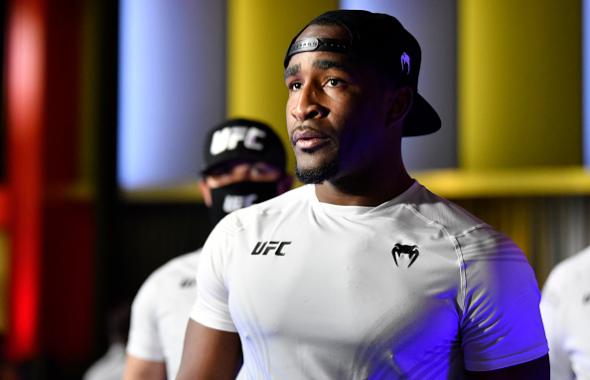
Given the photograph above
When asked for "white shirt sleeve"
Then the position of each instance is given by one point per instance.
(211, 308)
(109, 367)
(553, 312)
(501, 324)
(144, 342)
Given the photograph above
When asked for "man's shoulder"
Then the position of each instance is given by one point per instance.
(474, 237)
(184, 265)
(572, 268)
(454, 219)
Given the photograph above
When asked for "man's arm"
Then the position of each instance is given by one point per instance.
(209, 354)
(537, 369)
(140, 369)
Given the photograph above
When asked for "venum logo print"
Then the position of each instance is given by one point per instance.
(399, 251)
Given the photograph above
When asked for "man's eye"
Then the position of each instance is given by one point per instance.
(333, 82)
(258, 170)
(295, 86)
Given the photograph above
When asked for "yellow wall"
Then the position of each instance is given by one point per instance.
(519, 83)
(259, 32)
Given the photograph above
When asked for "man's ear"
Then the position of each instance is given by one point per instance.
(401, 102)
(205, 192)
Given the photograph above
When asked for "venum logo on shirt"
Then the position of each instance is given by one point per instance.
(188, 282)
(402, 252)
(265, 247)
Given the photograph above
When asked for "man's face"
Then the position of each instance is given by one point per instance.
(239, 184)
(334, 110)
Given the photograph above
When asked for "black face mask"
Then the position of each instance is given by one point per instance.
(239, 195)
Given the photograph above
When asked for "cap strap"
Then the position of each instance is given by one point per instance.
(317, 44)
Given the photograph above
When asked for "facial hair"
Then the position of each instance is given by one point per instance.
(319, 174)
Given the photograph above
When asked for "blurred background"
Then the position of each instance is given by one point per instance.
(105, 104)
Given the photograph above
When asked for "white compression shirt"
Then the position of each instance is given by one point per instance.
(161, 310)
(415, 288)
(565, 308)
(108, 367)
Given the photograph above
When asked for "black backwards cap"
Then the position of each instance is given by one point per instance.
(242, 140)
(381, 40)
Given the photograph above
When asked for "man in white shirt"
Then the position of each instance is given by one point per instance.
(112, 364)
(244, 163)
(565, 307)
(362, 273)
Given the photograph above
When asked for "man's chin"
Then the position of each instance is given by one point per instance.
(316, 175)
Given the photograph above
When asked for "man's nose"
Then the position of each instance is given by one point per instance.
(308, 105)
(242, 172)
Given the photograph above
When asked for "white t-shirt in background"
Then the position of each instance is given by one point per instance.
(110, 366)
(565, 308)
(160, 312)
(415, 288)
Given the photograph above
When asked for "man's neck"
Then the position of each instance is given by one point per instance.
(367, 191)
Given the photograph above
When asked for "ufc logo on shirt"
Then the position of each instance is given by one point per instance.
(264, 247)
(229, 137)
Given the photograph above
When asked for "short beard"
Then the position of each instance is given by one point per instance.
(317, 175)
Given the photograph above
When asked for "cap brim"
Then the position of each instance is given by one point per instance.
(422, 119)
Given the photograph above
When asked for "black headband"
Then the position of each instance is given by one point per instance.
(317, 44)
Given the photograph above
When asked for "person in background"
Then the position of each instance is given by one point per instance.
(110, 366)
(362, 273)
(565, 308)
(244, 163)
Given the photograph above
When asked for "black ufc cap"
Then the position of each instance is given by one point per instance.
(242, 140)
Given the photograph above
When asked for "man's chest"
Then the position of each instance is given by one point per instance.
(346, 285)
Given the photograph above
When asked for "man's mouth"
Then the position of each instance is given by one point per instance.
(309, 139)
